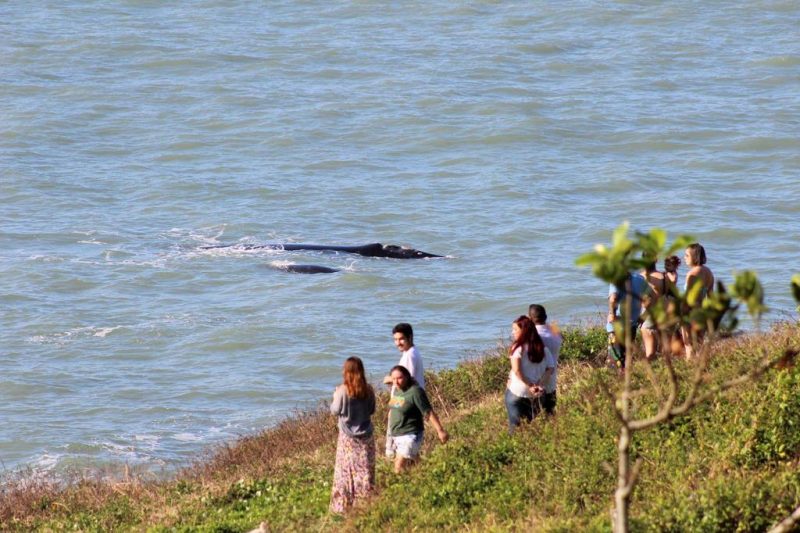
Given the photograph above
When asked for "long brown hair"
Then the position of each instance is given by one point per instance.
(354, 379)
(697, 253)
(530, 338)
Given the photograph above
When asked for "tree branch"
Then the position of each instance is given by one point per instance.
(787, 523)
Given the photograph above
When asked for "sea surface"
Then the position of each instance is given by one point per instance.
(509, 137)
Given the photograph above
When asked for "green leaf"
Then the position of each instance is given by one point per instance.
(796, 287)
(588, 259)
(620, 236)
(693, 294)
(748, 289)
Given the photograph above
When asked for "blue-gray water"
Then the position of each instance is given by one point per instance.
(510, 137)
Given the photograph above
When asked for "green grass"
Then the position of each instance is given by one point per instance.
(732, 464)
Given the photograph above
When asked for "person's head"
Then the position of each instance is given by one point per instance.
(537, 314)
(403, 336)
(401, 377)
(672, 263)
(354, 378)
(524, 333)
(650, 262)
(695, 255)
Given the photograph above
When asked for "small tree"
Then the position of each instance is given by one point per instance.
(718, 311)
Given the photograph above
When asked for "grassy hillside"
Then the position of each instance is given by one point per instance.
(733, 464)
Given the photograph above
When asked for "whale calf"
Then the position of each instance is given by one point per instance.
(374, 249)
(308, 269)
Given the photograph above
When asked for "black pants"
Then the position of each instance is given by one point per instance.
(549, 402)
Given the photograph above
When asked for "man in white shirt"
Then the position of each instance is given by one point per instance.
(552, 340)
(403, 335)
(411, 359)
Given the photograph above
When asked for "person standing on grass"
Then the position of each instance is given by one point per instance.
(531, 368)
(698, 274)
(403, 335)
(354, 404)
(552, 340)
(671, 265)
(660, 286)
(409, 408)
(636, 291)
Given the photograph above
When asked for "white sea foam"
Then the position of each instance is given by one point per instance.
(187, 437)
(102, 332)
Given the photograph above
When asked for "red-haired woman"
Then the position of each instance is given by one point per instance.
(354, 404)
(532, 365)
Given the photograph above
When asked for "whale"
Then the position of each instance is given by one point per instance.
(307, 269)
(374, 249)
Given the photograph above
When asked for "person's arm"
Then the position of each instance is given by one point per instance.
(613, 301)
(440, 432)
(537, 389)
(338, 400)
(648, 297)
(516, 366)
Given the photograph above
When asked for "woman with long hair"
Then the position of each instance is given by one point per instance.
(532, 365)
(354, 404)
(701, 276)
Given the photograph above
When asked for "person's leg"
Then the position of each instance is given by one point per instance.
(688, 340)
(513, 411)
(649, 340)
(401, 464)
(616, 352)
(408, 447)
(525, 406)
(549, 403)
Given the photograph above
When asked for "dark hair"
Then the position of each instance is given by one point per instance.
(697, 253)
(406, 374)
(650, 265)
(672, 263)
(537, 313)
(405, 329)
(530, 338)
(355, 380)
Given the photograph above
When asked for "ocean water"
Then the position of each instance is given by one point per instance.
(509, 137)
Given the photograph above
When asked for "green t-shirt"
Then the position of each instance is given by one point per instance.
(407, 410)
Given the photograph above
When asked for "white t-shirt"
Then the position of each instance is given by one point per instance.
(412, 360)
(552, 341)
(533, 372)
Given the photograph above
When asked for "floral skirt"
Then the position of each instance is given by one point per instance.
(354, 473)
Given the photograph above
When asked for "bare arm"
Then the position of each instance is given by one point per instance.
(434, 420)
(613, 301)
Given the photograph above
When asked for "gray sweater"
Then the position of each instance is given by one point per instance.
(355, 415)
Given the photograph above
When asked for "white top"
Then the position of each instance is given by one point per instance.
(412, 360)
(552, 341)
(533, 372)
